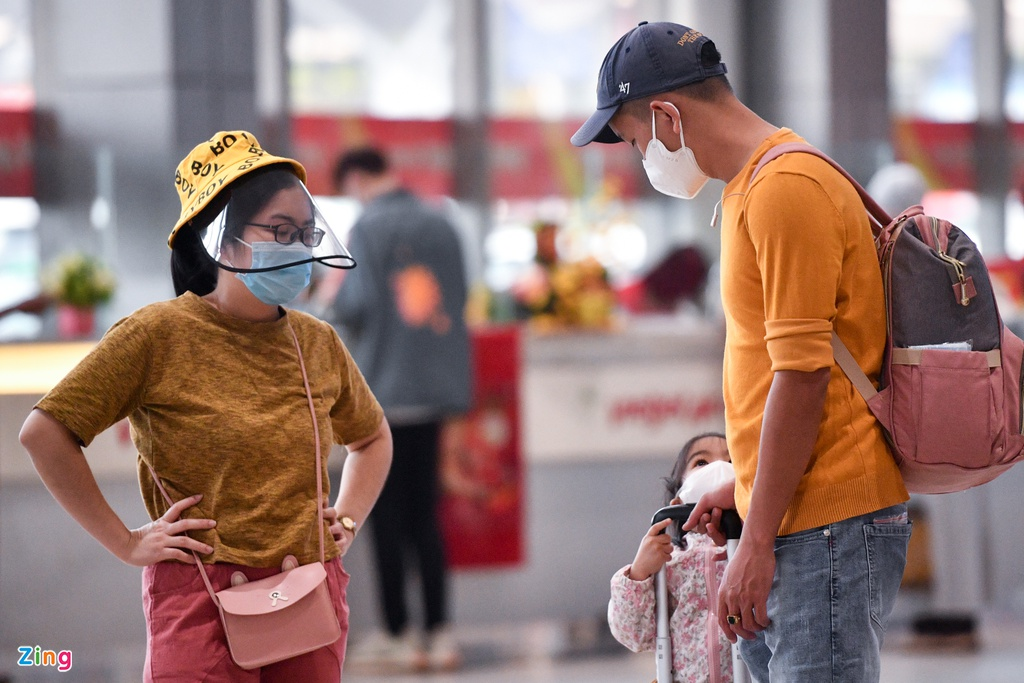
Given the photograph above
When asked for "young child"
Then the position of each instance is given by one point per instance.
(694, 565)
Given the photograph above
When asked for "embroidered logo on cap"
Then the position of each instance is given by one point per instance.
(624, 88)
(689, 37)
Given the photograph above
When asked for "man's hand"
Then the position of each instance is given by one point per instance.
(743, 593)
(706, 517)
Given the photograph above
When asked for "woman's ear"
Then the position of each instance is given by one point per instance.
(236, 254)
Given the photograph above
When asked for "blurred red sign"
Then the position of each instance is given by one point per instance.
(420, 151)
(945, 152)
(529, 158)
(482, 508)
(16, 164)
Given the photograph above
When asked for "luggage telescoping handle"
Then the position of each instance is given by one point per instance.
(731, 526)
(731, 523)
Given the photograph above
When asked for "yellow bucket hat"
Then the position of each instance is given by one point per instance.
(211, 165)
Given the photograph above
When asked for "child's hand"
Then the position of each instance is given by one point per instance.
(655, 550)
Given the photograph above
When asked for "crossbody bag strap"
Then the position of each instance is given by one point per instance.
(319, 473)
(199, 562)
(316, 439)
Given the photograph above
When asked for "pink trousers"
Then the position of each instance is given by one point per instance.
(186, 641)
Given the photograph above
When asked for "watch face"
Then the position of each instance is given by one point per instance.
(348, 523)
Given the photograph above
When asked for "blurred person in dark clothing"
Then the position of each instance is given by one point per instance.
(402, 312)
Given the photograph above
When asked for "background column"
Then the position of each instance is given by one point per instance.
(123, 93)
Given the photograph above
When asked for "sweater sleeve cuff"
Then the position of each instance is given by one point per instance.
(803, 344)
(625, 581)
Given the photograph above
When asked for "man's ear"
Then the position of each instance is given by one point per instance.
(669, 109)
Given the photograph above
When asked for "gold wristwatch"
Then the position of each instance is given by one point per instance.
(348, 524)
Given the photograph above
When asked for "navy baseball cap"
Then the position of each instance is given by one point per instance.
(650, 59)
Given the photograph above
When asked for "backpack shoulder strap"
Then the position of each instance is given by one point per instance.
(879, 219)
(878, 216)
(846, 361)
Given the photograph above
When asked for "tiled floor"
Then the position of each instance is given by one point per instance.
(999, 660)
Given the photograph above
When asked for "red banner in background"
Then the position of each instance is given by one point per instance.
(529, 159)
(420, 151)
(945, 152)
(534, 158)
(16, 163)
(482, 508)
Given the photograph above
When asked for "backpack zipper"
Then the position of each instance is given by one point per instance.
(958, 266)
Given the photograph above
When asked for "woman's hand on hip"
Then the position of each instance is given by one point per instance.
(165, 539)
(342, 536)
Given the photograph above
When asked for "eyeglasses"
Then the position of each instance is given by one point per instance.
(286, 233)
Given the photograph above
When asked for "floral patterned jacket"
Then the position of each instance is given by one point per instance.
(700, 651)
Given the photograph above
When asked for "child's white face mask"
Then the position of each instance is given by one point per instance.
(704, 479)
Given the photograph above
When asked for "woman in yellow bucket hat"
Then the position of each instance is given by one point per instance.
(222, 417)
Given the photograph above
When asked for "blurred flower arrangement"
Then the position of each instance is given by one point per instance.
(576, 265)
(79, 280)
(570, 295)
(554, 295)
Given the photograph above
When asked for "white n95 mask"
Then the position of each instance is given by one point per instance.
(673, 173)
(704, 479)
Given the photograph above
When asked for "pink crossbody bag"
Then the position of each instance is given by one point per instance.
(284, 615)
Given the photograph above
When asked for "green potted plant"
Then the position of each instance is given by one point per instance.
(78, 283)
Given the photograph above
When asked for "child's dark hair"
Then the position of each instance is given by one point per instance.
(675, 480)
(192, 268)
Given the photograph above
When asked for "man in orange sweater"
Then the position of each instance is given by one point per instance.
(825, 526)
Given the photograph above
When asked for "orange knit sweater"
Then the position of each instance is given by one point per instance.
(798, 257)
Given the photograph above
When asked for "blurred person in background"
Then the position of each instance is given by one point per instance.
(212, 383)
(403, 313)
(897, 186)
(816, 572)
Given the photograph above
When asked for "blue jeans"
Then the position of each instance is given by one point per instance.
(833, 590)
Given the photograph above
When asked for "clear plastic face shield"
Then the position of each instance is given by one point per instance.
(271, 222)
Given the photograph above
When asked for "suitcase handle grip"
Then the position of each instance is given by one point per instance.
(731, 524)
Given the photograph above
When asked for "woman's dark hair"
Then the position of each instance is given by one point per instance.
(675, 480)
(192, 268)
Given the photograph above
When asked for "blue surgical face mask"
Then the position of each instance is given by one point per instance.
(277, 287)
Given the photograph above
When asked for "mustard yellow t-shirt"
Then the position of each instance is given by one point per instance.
(797, 258)
(217, 406)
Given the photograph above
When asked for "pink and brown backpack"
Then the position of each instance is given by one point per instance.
(949, 397)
